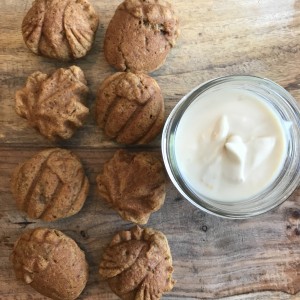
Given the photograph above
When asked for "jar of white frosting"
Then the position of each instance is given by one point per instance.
(232, 146)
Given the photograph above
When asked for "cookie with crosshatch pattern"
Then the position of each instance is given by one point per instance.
(51, 185)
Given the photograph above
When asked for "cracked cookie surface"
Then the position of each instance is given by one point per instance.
(51, 185)
(54, 104)
(140, 35)
(130, 108)
(138, 265)
(61, 29)
(133, 184)
(51, 263)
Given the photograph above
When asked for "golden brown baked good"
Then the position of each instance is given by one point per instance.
(54, 104)
(61, 29)
(133, 184)
(50, 185)
(130, 108)
(138, 265)
(51, 263)
(140, 35)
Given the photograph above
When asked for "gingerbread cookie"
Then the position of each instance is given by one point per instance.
(61, 29)
(51, 185)
(133, 184)
(130, 108)
(140, 35)
(54, 104)
(51, 263)
(138, 265)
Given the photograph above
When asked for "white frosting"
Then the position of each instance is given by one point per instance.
(229, 145)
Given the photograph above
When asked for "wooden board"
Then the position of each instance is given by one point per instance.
(213, 258)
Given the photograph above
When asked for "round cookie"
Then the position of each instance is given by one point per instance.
(133, 184)
(54, 104)
(137, 264)
(50, 185)
(61, 29)
(130, 108)
(140, 35)
(51, 263)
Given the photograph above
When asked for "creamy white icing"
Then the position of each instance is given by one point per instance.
(229, 145)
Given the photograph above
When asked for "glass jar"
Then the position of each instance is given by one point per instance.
(285, 107)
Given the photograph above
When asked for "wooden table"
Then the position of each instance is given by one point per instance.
(213, 258)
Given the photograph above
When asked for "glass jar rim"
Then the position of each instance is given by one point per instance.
(274, 194)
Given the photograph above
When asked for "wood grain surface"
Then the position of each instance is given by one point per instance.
(213, 258)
